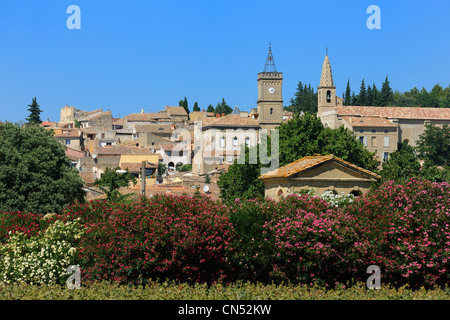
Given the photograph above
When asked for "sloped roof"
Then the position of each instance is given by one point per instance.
(147, 116)
(326, 78)
(154, 128)
(73, 134)
(137, 166)
(87, 177)
(368, 122)
(231, 120)
(395, 112)
(176, 111)
(119, 150)
(310, 162)
(96, 115)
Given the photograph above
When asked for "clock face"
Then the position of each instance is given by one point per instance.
(271, 90)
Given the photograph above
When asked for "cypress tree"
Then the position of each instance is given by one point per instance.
(348, 95)
(35, 111)
(386, 94)
(362, 97)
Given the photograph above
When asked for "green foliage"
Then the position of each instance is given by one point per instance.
(347, 96)
(306, 136)
(223, 107)
(35, 174)
(113, 181)
(184, 167)
(35, 111)
(40, 259)
(241, 181)
(386, 94)
(207, 179)
(162, 168)
(401, 165)
(210, 108)
(171, 290)
(434, 144)
(184, 104)
(196, 107)
(305, 100)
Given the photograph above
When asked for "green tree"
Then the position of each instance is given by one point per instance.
(111, 181)
(386, 94)
(369, 100)
(241, 181)
(35, 174)
(305, 100)
(210, 108)
(348, 95)
(162, 168)
(375, 95)
(223, 107)
(184, 104)
(401, 165)
(196, 107)
(362, 96)
(434, 144)
(35, 111)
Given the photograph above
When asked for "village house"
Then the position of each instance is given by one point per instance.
(319, 173)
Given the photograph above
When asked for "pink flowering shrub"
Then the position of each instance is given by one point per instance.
(405, 230)
(168, 237)
(27, 223)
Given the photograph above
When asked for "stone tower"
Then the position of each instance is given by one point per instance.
(326, 92)
(270, 98)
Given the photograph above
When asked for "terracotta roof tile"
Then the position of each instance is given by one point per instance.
(147, 116)
(395, 112)
(231, 120)
(136, 166)
(176, 111)
(368, 121)
(307, 163)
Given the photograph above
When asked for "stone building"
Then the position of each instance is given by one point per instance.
(380, 129)
(320, 173)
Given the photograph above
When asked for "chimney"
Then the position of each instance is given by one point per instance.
(203, 110)
(223, 114)
(217, 115)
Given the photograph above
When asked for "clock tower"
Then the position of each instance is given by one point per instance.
(270, 99)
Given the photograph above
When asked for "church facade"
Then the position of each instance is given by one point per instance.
(380, 129)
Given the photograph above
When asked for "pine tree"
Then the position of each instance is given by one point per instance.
(184, 104)
(348, 95)
(362, 97)
(210, 108)
(386, 94)
(369, 100)
(35, 111)
(196, 108)
(376, 95)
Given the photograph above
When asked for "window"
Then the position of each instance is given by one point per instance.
(271, 111)
(328, 96)
(247, 141)
(374, 142)
(361, 130)
(386, 141)
(374, 131)
(235, 143)
(222, 142)
(385, 156)
(67, 142)
(103, 136)
(386, 131)
(363, 140)
(181, 153)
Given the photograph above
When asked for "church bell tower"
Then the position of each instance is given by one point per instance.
(326, 92)
(270, 99)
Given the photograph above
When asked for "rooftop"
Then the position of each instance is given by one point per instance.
(395, 112)
(368, 121)
(309, 162)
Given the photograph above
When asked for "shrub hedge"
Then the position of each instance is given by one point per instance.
(404, 229)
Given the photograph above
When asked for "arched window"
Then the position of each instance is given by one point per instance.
(328, 96)
(235, 143)
(271, 111)
(222, 142)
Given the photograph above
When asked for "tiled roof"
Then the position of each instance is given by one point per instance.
(368, 121)
(307, 163)
(118, 121)
(74, 153)
(137, 166)
(176, 111)
(231, 120)
(154, 128)
(69, 134)
(395, 112)
(171, 146)
(119, 150)
(87, 177)
(202, 113)
(147, 116)
(96, 115)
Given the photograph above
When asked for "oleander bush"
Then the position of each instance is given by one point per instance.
(302, 239)
(176, 238)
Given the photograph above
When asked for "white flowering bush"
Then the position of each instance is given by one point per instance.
(335, 200)
(41, 259)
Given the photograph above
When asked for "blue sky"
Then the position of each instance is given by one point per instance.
(132, 55)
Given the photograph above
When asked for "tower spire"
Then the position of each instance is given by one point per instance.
(270, 62)
(326, 79)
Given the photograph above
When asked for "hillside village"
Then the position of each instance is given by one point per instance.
(97, 139)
